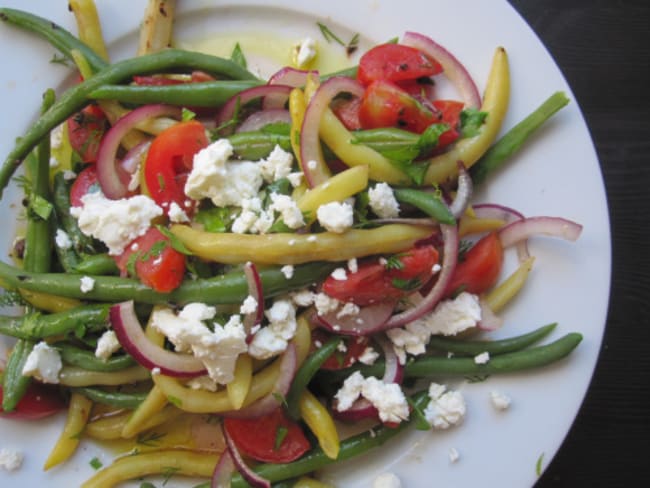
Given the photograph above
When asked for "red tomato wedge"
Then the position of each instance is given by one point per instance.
(169, 162)
(86, 182)
(449, 113)
(480, 267)
(394, 62)
(354, 347)
(384, 104)
(375, 281)
(39, 401)
(85, 130)
(273, 438)
(347, 112)
(152, 259)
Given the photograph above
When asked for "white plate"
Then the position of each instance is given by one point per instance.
(556, 174)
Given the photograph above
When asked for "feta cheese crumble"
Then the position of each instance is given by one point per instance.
(288, 210)
(305, 51)
(387, 480)
(499, 400)
(454, 455)
(335, 216)
(445, 407)
(177, 214)
(87, 284)
(273, 339)
(43, 362)
(276, 165)
(368, 356)
(11, 459)
(287, 271)
(482, 358)
(62, 239)
(382, 201)
(339, 274)
(115, 222)
(107, 345)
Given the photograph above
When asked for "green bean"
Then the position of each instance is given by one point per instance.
(56, 35)
(501, 346)
(257, 144)
(389, 139)
(306, 372)
(96, 264)
(499, 153)
(112, 398)
(206, 94)
(14, 384)
(77, 356)
(40, 326)
(61, 201)
(75, 377)
(75, 98)
(224, 289)
(428, 202)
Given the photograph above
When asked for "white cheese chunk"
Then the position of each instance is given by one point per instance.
(86, 284)
(43, 362)
(305, 51)
(62, 239)
(387, 480)
(276, 165)
(335, 216)
(382, 201)
(107, 345)
(288, 209)
(499, 400)
(445, 407)
(11, 459)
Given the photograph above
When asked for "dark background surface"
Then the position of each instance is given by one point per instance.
(603, 49)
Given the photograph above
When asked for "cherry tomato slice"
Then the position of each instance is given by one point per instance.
(373, 281)
(39, 401)
(449, 111)
(86, 182)
(85, 130)
(169, 162)
(347, 111)
(480, 267)
(394, 62)
(354, 347)
(273, 438)
(151, 258)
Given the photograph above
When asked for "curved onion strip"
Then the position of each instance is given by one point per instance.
(257, 120)
(133, 157)
(310, 149)
(507, 214)
(268, 403)
(453, 69)
(242, 98)
(293, 77)
(489, 320)
(255, 290)
(463, 192)
(108, 172)
(449, 258)
(394, 370)
(254, 479)
(223, 471)
(521, 230)
(370, 319)
(134, 341)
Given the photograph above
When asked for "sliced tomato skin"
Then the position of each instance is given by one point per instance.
(354, 348)
(394, 62)
(449, 113)
(480, 268)
(256, 437)
(384, 104)
(39, 401)
(374, 281)
(347, 112)
(85, 130)
(85, 182)
(154, 261)
(169, 161)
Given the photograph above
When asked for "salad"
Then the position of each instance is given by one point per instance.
(245, 263)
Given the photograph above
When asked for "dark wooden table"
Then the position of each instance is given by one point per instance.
(603, 49)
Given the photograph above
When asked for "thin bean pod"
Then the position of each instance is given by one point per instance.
(428, 202)
(112, 398)
(76, 98)
(512, 140)
(61, 201)
(14, 384)
(205, 94)
(87, 360)
(96, 264)
(257, 144)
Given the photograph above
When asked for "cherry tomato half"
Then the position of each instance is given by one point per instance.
(86, 182)
(394, 62)
(38, 401)
(85, 130)
(480, 267)
(449, 113)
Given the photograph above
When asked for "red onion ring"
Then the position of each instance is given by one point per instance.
(463, 192)
(394, 370)
(369, 320)
(521, 230)
(109, 174)
(507, 214)
(223, 470)
(134, 156)
(253, 479)
(132, 338)
(310, 149)
(257, 120)
(453, 69)
(489, 320)
(242, 98)
(293, 77)
(256, 291)
(450, 256)
(268, 403)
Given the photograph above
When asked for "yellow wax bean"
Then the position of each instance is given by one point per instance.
(297, 107)
(305, 482)
(75, 376)
(469, 150)
(472, 225)
(88, 26)
(111, 428)
(153, 404)
(320, 423)
(47, 302)
(498, 297)
(177, 461)
(78, 412)
(287, 248)
(239, 387)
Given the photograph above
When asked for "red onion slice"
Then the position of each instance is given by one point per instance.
(361, 409)
(449, 258)
(268, 403)
(242, 98)
(257, 120)
(370, 319)
(311, 155)
(112, 182)
(463, 192)
(453, 69)
(293, 77)
(508, 215)
(253, 479)
(255, 290)
(132, 338)
(489, 320)
(394, 370)
(134, 157)
(223, 471)
(521, 230)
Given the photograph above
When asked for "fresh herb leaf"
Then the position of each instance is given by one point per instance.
(394, 262)
(353, 45)
(95, 463)
(280, 435)
(40, 206)
(463, 247)
(277, 128)
(477, 378)
(238, 57)
(328, 34)
(279, 397)
(228, 124)
(147, 484)
(539, 465)
(168, 472)
(174, 241)
(150, 439)
(406, 284)
(421, 422)
(471, 120)
(429, 138)
(177, 402)
(187, 115)
(216, 219)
